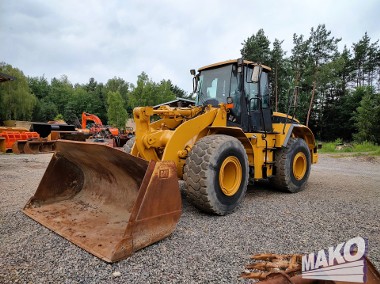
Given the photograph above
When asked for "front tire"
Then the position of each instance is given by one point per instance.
(216, 174)
(128, 146)
(292, 164)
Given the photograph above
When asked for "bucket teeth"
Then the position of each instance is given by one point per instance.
(254, 275)
(269, 256)
(267, 263)
(282, 264)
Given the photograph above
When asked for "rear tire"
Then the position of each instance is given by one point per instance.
(128, 146)
(293, 164)
(216, 174)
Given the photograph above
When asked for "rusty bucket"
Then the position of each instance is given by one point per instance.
(106, 201)
(18, 146)
(2, 145)
(39, 146)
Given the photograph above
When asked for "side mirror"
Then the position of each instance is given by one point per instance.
(240, 64)
(192, 72)
(195, 83)
(256, 74)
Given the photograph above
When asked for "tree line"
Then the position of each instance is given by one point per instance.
(37, 99)
(337, 92)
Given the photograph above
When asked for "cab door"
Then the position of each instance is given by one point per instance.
(257, 93)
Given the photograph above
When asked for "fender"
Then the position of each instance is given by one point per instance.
(239, 134)
(304, 132)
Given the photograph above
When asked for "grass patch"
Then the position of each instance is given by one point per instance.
(364, 148)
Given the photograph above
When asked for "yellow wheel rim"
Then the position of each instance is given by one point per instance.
(230, 175)
(299, 165)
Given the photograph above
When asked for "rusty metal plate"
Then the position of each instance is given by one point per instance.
(106, 201)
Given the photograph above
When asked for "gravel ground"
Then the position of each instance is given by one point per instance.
(341, 201)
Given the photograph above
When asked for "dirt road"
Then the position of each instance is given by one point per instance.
(341, 201)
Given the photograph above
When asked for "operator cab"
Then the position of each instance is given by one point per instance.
(245, 84)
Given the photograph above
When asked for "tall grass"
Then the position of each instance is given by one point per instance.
(339, 147)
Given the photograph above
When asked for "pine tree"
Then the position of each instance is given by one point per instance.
(323, 50)
(257, 48)
(279, 80)
(367, 117)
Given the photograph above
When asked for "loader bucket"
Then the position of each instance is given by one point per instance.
(32, 147)
(106, 201)
(47, 146)
(2, 145)
(18, 146)
(38, 146)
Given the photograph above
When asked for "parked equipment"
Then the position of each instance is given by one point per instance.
(105, 134)
(40, 138)
(45, 129)
(230, 136)
(97, 126)
(13, 137)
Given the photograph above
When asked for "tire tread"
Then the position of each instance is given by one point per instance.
(197, 166)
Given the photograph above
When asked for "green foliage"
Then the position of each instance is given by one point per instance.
(163, 92)
(142, 93)
(328, 81)
(338, 91)
(121, 86)
(39, 86)
(59, 117)
(321, 52)
(16, 100)
(327, 147)
(45, 111)
(178, 92)
(34, 98)
(117, 114)
(366, 146)
(363, 147)
(367, 117)
(60, 91)
(365, 60)
(257, 48)
(148, 93)
(97, 102)
(280, 81)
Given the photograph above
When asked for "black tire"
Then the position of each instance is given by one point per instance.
(292, 164)
(216, 174)
(128, 146)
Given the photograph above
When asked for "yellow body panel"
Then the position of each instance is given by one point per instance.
(172, 136)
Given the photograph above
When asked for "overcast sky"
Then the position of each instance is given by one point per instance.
(104, 39)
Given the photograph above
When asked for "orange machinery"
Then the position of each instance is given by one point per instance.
(98, 126)
(10, 135)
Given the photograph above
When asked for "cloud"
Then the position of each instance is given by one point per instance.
(103, 39)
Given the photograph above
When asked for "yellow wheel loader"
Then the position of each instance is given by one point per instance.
(112, 202)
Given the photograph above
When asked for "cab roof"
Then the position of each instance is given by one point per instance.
(231, 61)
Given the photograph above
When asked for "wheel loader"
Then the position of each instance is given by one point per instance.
(112, 202)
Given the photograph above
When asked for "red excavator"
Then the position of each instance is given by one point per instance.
(104, 133)
(97, 127)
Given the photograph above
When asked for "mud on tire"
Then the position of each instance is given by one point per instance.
(216, 174)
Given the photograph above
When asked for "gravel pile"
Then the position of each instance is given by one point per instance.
(340, 202)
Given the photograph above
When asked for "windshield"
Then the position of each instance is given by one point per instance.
(214, 84)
